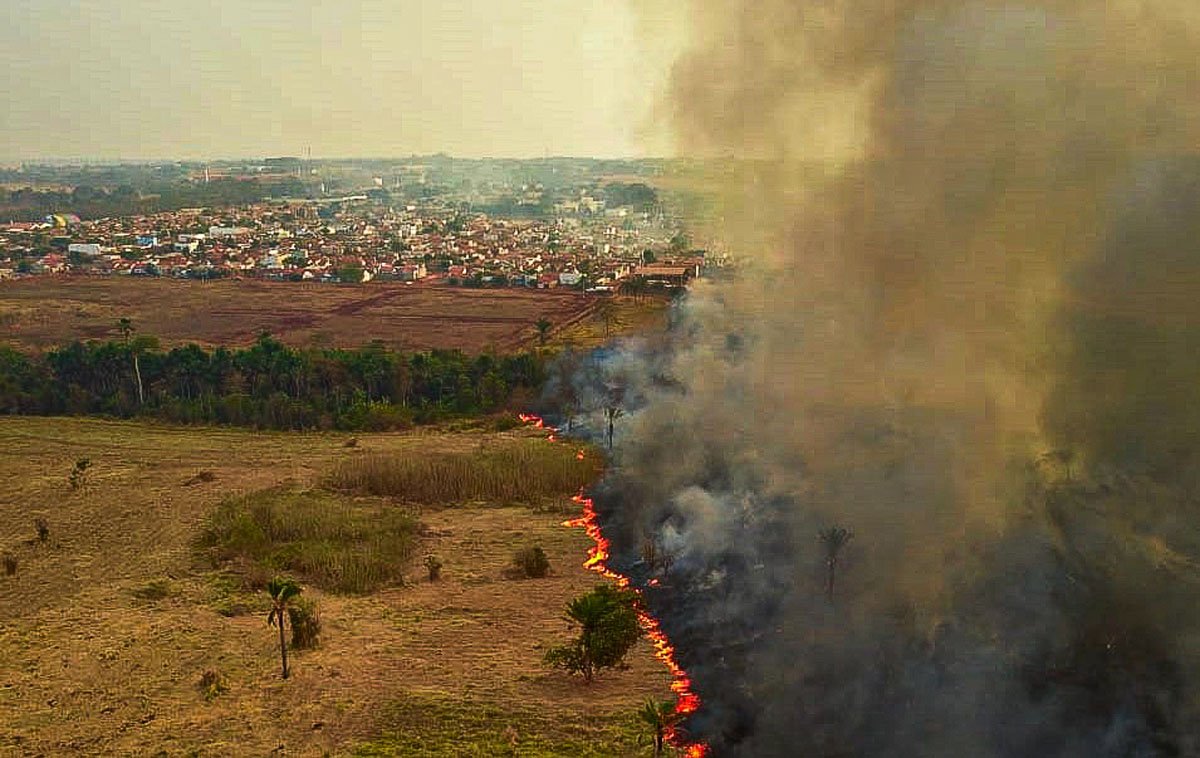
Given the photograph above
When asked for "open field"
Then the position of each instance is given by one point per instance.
(94, 661)
(48, 311)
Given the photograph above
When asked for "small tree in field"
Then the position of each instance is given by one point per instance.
(660, 716)
(282, 592)
(608, 628)
(78, 477)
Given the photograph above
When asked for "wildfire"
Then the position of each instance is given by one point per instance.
(687, 702)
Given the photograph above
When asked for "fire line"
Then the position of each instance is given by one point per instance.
(687, 702)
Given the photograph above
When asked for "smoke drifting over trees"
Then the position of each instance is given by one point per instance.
(973, 341)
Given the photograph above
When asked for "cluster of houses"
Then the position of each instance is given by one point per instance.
(354, 239)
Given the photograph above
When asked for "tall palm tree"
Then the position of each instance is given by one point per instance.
(612, 413)
(282, 591)
(126, 327)
(659, 715)
(834, 539)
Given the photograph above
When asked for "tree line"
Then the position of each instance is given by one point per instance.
(266, 385)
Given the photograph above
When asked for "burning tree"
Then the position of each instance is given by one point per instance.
(608, 627)
(834, 539)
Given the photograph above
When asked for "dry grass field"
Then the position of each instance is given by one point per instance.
(107, 627)
(49, 311)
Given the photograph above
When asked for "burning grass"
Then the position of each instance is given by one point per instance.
(336, 543)
(526, 471)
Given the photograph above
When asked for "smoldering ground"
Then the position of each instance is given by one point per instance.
(970, 338)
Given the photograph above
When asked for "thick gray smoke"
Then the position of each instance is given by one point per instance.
(971, 339)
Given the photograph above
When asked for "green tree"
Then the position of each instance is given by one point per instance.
(350, 274)
(543, 329)
(660, 716)
(282, 591)
(608, 627)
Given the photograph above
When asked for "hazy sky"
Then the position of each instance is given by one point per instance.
(229, 78)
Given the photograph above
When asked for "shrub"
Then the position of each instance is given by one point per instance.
(201, 477)
(434, 566)
(531, 562)
(521, 471)
(78, 476)
(43, 529)
(10, 564)
(153, 590)
(212, 684)
(305, 619)
(336, 544)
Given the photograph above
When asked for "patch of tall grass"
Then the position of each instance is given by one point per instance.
(527, 471)
(329, 540)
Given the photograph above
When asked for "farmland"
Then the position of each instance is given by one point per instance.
(49, 311)
(108, 625)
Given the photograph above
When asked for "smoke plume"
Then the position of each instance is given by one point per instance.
(971, 337)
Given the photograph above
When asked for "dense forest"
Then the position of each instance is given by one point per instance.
(267, 385)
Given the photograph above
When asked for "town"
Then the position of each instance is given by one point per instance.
(582, 240)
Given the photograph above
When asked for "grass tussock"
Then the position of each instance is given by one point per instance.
(331, 541)
(154, 590)
(527, 471)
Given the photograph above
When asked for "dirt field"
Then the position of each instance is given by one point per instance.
(48, 311)
(447, 668)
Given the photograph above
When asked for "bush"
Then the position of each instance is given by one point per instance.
(153, 590)
(212, 684)
(519, 471)
(434, 566)
(531, 562)
(334, 543)
(43, 529)
(305, 620)
(78, 476)
(201, 477)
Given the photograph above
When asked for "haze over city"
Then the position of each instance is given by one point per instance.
(131, 79)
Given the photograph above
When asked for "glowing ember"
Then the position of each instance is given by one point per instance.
(686, 701)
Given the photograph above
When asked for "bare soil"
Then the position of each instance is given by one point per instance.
(50, 311)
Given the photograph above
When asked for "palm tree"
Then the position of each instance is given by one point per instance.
(588, 611)
(659, 715)
(282, 592)
(612, 413)
(543, 328)
(126, 327)
(834, 539)
(608, 314)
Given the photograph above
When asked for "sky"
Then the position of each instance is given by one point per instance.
(145, 79)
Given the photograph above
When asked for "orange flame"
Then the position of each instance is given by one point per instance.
(687, 702)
